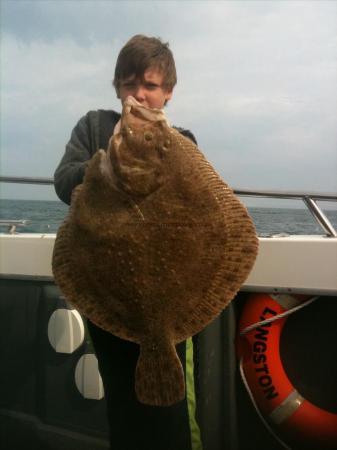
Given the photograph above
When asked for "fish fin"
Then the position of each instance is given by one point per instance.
(159, 376)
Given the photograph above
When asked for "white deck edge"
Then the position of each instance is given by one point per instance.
(298, 264)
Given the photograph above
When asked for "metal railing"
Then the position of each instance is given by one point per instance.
(13, 224)
(310, 199)
(26, 180)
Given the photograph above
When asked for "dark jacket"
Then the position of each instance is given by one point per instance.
(91, 133)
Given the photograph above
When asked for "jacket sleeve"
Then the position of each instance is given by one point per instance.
(187, 134)
(78, 152)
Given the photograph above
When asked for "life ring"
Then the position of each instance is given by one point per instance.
(276, 398)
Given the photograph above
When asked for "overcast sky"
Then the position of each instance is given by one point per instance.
(257, 83)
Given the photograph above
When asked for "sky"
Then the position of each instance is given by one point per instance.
(257, 84)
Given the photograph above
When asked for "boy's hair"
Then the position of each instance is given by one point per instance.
(141, 53)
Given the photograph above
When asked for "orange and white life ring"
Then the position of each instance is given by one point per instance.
(276, 397)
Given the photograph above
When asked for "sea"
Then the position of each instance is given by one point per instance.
(46, 217)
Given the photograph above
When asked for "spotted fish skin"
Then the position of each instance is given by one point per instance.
(154, 247)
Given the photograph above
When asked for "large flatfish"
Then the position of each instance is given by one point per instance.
(154, 247)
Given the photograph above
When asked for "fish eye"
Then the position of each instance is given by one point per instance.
(126, 131)
(148, 136)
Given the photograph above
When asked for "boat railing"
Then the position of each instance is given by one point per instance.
(309, 198)
(13, 224)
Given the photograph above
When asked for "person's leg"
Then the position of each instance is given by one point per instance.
(116, 361)
(166, 428)
(134, 426)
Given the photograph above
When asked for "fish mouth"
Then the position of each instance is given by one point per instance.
(136, 114)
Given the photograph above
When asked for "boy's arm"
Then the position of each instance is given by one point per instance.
(79, 150)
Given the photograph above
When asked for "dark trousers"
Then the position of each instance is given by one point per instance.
(133, 425)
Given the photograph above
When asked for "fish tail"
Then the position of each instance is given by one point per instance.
(159, 375)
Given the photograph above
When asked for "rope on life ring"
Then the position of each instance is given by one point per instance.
(275, 398)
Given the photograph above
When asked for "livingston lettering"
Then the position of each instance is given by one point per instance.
(260, 358)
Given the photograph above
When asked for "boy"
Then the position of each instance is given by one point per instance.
(145, 69)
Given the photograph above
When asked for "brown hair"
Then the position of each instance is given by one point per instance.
(139, 54)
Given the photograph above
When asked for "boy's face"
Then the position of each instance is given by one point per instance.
(148, 91)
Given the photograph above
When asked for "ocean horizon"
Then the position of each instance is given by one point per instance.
(45, 216)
